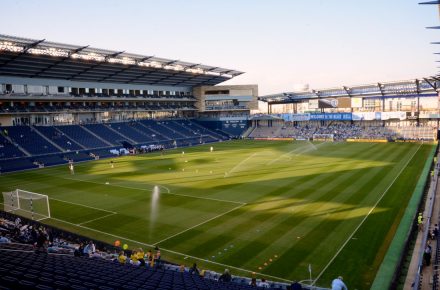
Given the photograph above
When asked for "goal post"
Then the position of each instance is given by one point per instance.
(28, 204)
(323, 137)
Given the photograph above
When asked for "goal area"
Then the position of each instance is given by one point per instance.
(323, 137)
(27, 204)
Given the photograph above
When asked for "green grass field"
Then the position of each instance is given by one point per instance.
(250, 206)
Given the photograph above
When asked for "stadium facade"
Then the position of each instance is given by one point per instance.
(400, 104)
(48, 83)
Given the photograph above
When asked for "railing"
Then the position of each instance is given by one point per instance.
(431, 198)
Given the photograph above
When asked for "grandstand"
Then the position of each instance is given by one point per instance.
(401, 110)
(59, 98)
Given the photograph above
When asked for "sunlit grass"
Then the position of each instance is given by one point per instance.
(243, 204)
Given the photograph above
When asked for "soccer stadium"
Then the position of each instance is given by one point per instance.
(121, 170)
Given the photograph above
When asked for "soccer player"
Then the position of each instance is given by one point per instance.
(112, 165)
(211, 149)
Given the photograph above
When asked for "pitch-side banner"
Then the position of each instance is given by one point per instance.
(300, 117)
(331, 116)
(364, 116)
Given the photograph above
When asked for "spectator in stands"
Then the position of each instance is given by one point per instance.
(263, 284)
(140, 256)
(338, 284)
(41, 245)
(157, 253)
(420, 222)
(194, 269)
(122, 258)
(225, 277)
(89, 249)
(79, 251)
(295, 286)
(17, 222)
(134, 258)
(152, 260)
(253, 282)
(182, 268)
(427, 254)
(435, 231)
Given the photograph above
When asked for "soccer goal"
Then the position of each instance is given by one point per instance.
(323, 137)
(28, 204)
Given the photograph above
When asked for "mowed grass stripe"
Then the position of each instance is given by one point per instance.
(256, 216)
(321, 188)
(338, 200)
(334, 229)
(374, 236)
(301, 222)
(237, 219)
(240, 184)
(249, 215)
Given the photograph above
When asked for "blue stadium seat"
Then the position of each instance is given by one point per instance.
(30, 140)
(106, 133)
(59, 138)
(9, 150)
(81, 136)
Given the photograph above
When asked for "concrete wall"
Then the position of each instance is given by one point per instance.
(246, 94)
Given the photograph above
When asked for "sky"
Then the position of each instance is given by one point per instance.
(277, 43)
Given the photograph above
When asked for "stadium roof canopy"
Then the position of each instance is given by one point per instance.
(389, 89)
(23, 57)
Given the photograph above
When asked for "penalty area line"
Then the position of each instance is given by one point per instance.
(150, 190)
(365, 218)
(74, 203)
(92, 220)
(197, 225)
(170, 251)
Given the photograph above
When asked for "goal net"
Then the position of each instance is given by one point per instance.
(28, 204)
(323, 137)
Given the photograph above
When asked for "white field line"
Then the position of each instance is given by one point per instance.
(245, 160)
(365, 218)
(313, 145)
(171, 251)
(104, 216)
(241, 162)
(302, 149)
(74, 203)
(151, 190)
(204, 222)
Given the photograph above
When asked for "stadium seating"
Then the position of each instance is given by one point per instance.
(16, 164)
(161, 126)
(50, 160)
(8, 150)
(59, 138)
(130, 130)
(82, 137)
(106, 133)
(53, 145)
(78, 156)
(30, 140)
(28, 270)
(203, 130)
